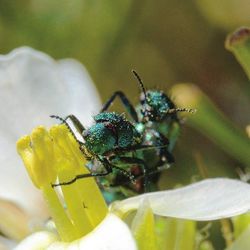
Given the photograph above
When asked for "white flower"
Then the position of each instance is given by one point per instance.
(211, 199)
(111, 234)
(33, 86)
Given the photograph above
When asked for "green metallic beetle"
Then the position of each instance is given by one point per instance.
(111, 142)
(134, 151)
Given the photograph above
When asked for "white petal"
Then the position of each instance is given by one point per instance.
(111, 234)
(33, 86)
(37, 241)
(210, 199)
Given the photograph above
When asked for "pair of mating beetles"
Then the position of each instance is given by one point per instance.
(135, 150)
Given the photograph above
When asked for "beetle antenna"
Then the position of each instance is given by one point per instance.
(175, 110)
(66, 124)
(141, 83)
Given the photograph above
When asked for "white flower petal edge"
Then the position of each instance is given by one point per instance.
(37, 241)
(111, 234)
(33, 86)
(210, 199)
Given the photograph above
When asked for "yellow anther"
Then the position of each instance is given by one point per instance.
(71, 162)
(66, 150)
(36, 151)
(56, 154)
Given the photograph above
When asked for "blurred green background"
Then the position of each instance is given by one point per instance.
(167, 42)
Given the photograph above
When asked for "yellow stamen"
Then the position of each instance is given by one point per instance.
(38, 156)
(55, 154)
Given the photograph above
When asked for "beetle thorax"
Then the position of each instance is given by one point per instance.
(111, 131)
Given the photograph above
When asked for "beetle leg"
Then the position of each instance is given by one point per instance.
(77, 124)
(106, 165)
(79, 127)
(125, 101)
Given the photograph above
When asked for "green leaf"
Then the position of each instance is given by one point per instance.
(211, 122)
(239, 44)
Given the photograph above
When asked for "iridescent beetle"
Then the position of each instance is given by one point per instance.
(155, 118)
(135, 152)
(113, 142)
